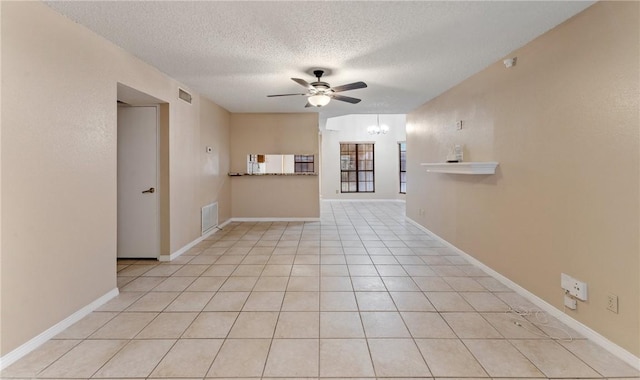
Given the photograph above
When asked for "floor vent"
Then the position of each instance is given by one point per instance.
(209, 217)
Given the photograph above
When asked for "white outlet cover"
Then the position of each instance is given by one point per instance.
(566, 281)
(575, 287)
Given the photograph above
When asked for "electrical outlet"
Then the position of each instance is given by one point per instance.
(612, 303)
(459, 124)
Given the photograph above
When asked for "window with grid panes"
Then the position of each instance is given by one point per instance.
(356, 168)
(303, 163)
(403, 167)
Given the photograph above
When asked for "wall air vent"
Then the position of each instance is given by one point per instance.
(209, 217)
(182, 94)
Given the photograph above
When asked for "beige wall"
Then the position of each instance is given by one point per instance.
(59, 165)
(215, 183)
(165, 181)
(274, 196)
(353, 128)
(564, 125)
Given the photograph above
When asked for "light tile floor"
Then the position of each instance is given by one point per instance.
(360, 294)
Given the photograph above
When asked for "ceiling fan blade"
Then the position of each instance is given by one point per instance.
(347, 99)
(303, 83)
(271, 96)
(350, 86)
(308, 105)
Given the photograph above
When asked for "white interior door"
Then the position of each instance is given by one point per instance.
(138, 196)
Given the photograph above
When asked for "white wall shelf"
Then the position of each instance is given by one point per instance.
(462, 167)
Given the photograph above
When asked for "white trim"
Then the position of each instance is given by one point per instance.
(188, 246)
(589, 333)
(158, 187)
(223, 225)
(54, 330)
(267, 219)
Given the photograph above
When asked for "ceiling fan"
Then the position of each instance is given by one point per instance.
(320, 93)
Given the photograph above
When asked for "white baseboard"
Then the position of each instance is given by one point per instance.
(581, 328)
(221, 226)
(275, 219)
(54, 330)
(187, 247)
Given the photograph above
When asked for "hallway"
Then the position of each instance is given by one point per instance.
(360, 294)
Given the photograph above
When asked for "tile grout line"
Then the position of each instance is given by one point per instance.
(405, 325)
(224, 340)
(275, 327)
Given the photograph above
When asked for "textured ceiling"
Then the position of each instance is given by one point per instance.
(236, 53)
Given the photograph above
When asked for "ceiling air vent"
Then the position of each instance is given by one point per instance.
(182, 94)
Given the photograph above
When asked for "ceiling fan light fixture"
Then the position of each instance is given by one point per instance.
(319, 100)
(319, 93)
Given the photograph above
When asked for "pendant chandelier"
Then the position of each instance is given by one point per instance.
(377, 129)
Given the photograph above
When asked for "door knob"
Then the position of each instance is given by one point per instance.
(151, 190)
